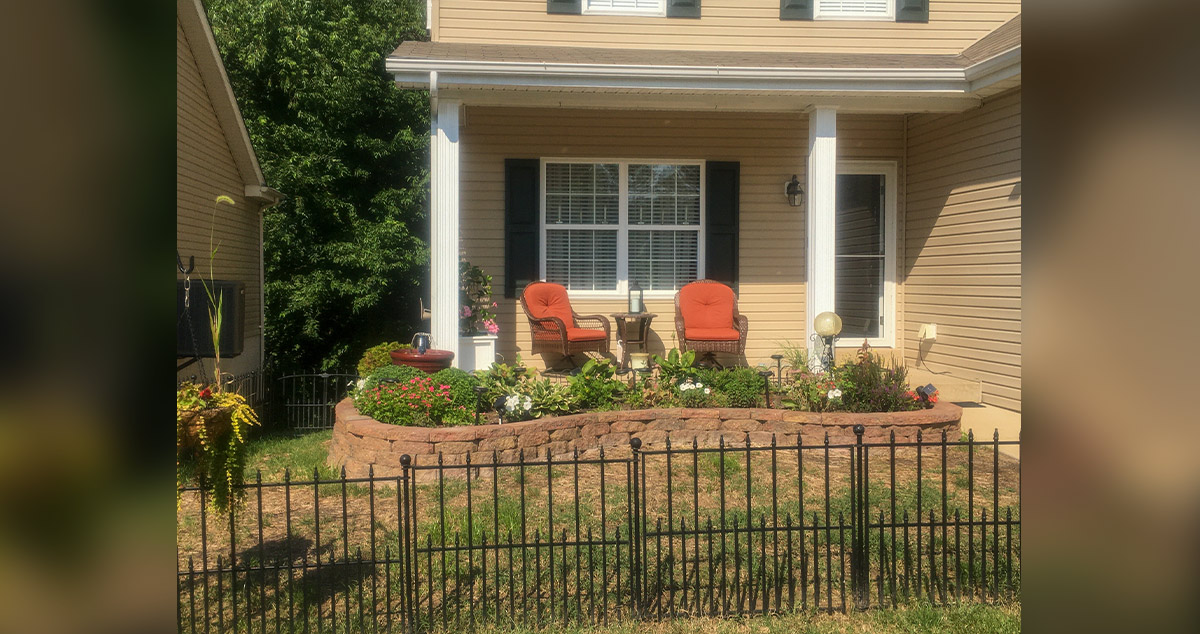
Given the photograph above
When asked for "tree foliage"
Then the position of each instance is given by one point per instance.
(343, 254)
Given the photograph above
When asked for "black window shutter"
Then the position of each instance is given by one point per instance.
(564, 6)
(522, 246)
(721, 241)
(683, 8)
(796, 9)
(912, 10)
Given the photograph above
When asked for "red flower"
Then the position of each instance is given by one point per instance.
(206, 393)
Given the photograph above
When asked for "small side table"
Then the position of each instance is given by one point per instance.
(632, 328)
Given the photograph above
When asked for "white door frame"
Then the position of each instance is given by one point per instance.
(889, 170)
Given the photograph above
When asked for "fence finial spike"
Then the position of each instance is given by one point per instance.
(258, 476)
(287, 474)
(970, 435)
(668, 439)
(343, 472)
(996, 434)
(772, 439)
(747, 439)
(371, 471)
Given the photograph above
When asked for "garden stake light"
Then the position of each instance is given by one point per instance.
(479, 392)
(778, 369)
(766, 376)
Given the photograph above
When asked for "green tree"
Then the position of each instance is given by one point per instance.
(343, 254)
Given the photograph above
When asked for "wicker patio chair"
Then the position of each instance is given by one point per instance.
(556, 327)
(707, 320)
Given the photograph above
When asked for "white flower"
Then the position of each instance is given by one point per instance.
(361, 383)
(528, 403)
(511, 402)
(707, 391)
(686, 385)
(835, 393)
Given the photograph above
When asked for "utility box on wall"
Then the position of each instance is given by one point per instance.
(232, 298)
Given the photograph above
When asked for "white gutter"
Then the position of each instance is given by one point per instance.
(481, 73)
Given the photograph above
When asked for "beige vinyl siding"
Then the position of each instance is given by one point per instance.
(205, 169)
(724, 25)
(963, 243)
(769, 147)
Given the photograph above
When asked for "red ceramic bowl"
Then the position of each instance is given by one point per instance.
(430, 362)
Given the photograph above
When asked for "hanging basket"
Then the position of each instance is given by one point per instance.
(216, 421)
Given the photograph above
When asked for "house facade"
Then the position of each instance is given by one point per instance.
(595, 143)
(214, 157)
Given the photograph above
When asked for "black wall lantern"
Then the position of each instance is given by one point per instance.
(636, 305)
(795, 193)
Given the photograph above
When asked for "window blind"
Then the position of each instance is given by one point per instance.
(649, 6)
(854, 8)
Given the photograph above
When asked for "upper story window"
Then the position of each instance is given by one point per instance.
(855, 10)
(625, 7)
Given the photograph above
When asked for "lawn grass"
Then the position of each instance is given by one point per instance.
(916, 618)
(273, 451)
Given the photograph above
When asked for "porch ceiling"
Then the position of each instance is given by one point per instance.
(546, 76)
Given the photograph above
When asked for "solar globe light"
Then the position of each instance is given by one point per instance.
(826, 326)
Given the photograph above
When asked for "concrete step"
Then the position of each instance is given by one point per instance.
(949, 388)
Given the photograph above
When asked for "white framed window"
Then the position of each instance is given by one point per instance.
(855, 10)
(865, 253)
(608, 222)
(626, 7)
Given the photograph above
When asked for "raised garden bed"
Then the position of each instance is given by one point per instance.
(360, 441)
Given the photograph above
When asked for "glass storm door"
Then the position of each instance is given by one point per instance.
(861, 257)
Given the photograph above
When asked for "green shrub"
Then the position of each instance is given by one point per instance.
(743, 387)
(595, 386)
(536, 399)
(865, 385)
(870, 385)
(677, 366)
(502, 379)
(697, 393)
(462, 393)
(377, 357)
(398, 373)
(418, 401)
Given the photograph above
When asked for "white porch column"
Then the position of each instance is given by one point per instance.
(820, 212)
(443, 223)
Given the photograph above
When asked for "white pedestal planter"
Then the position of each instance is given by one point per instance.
(477, 352)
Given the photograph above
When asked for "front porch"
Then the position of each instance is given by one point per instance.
(946, 227)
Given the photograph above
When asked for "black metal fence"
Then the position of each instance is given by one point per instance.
(627, 533)
(300, 402)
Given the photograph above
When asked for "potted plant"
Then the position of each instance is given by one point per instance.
(210, 423)
(477, 320)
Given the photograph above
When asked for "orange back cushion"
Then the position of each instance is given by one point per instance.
(549, 300)
(706, 305)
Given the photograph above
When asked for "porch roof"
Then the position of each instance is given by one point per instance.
(518, 75)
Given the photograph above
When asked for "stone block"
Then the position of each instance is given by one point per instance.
(656, 438)
(615, 438)
(453, 447)
(452, 434)
(595, 429)
(501, 443)
(667, 424)
(571, 433)
(533, 439)
(631, 426)
(741, 424)
(704, 424)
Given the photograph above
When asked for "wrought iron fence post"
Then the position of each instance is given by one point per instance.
(637, 545)
(408, 571)
(859, 560)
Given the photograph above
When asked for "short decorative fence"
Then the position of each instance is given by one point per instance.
(738, 529)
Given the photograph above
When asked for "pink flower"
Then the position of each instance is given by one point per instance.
(491, 326)
(466, 311)
(494, 304)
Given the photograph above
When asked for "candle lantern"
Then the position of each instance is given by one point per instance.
(636, 305)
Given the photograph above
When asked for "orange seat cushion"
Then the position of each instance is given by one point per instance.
(550, 300)
(583, 334)
(712, 334)
(706, 306)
